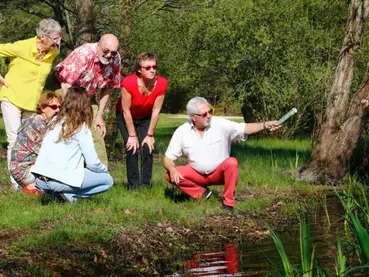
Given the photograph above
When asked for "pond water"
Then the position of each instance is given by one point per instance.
(255, 258)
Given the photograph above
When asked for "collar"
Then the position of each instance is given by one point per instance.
(96, 59)
(34, 45)
(34, 50)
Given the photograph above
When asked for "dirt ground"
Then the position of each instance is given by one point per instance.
(153, 251)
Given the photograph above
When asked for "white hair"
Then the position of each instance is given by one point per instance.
(47, 27)
(193, 103)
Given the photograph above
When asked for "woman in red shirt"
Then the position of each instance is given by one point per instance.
(138, 110)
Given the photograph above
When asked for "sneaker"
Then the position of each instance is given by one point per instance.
(207, 193)
(228, 208)
(66, 197)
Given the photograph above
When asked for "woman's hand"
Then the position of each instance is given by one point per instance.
(3, 82)
(150, 141)
(132, 144)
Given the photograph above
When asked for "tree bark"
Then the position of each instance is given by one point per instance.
(85, 21)
(345, 117)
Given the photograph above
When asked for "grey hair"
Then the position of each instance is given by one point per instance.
(193, 103)
(47, 27)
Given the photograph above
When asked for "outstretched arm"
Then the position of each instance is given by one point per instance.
(99, 120)
(132, 141)
(256, 127)
(149, 139)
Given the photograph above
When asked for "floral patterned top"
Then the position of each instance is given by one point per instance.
(26, 147)
(82, 68)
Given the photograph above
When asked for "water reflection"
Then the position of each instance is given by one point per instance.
(222, 263)
(256, 258)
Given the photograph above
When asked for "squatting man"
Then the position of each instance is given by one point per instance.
(206, 142)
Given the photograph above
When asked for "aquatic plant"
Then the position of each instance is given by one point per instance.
(340, 259)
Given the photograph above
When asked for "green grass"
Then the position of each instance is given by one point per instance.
(264, 165)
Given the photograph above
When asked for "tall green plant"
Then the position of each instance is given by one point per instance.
(307, 256)
(340, 259)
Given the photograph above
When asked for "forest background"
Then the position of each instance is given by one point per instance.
(256, 58)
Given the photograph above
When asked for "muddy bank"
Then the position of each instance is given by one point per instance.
(150, 251)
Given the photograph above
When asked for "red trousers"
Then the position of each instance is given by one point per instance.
(193, 183)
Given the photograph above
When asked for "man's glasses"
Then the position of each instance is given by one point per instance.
(55, 40)
(53, 106)
(107, 51)
(209, 112)
(147, 68)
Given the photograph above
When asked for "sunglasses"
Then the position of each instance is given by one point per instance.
(209, 112)
(106, 51)
(147, 68)
(53, 106)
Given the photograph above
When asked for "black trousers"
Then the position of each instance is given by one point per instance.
(135, 180)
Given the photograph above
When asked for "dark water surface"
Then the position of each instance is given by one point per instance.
(255, 258)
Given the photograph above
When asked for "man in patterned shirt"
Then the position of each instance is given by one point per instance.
(93, 66)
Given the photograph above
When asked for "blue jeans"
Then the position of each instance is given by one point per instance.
(93, 183)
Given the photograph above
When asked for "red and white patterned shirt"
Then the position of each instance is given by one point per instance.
(82, 68)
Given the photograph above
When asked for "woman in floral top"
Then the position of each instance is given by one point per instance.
(28, 142)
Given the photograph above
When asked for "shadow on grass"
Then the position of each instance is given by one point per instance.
(176, 195)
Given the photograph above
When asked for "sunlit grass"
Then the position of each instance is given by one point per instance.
(265, 171)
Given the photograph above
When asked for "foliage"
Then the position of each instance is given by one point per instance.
(261, 56)
(356, 242)
(258, 58)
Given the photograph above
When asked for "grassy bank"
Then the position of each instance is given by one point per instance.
(93, 235)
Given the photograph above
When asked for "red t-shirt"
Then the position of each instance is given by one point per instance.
(141, 106)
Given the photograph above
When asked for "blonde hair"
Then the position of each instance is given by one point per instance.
(46, 99)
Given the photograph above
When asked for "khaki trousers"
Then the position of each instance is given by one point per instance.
(98, 139)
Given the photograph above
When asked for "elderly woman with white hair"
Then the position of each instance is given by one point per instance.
(30, 64)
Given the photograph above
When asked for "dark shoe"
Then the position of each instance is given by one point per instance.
(207, 193)
(228, 208)
(49, 196)
(46, 197)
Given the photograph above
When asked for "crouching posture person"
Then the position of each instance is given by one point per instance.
(206, 142)
(67, 166)
(28, 142)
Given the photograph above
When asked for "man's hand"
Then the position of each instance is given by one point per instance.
(3, 82)
(132, 144)
(175, 176)
(150, 143)
(272, 126)
(99, 121)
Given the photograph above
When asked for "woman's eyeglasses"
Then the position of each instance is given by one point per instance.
(53, 106)
(56, 40)
(147, 68)
(209, 112)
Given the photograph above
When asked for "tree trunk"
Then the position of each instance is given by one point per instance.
(127, 56)
(344, 118)
(85, 21)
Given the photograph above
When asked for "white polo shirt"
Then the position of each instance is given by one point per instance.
(206, 153)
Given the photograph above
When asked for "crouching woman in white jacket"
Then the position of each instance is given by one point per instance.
(67, 165)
